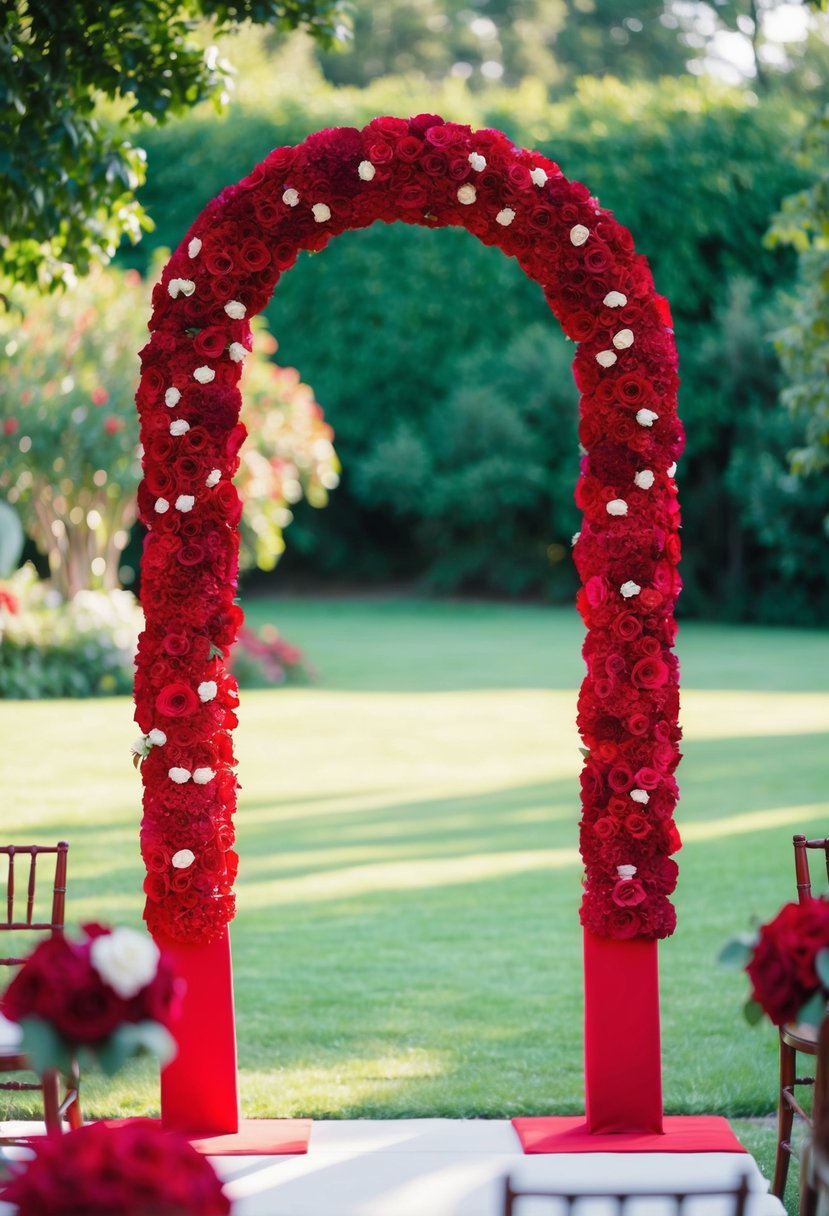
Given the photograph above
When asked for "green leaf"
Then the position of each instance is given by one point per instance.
(44, 1046)
(822, 967)
(737, 951)
(814, 1011)
(753, 1011)
(152, 1037)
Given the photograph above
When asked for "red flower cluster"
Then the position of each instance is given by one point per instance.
(59, 983)
(429, 172)
(782, 968)
(132, 1169)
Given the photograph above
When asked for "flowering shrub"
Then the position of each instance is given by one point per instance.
(71, 461)
(787, 962)
(104, 997)
(263, 659)
(135, 1170)
(429, 172)
(49, 647)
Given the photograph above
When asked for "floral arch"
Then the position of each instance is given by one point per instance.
(433, 173)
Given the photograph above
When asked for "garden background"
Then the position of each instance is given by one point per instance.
(407, 823)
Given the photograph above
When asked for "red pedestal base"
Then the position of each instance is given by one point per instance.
(622, 1065)
(199, 1092)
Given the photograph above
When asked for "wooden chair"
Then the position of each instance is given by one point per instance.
(793, 1038)
(14, 920)
(617, 1203)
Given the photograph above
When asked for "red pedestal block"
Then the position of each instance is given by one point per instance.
(622, 1064)
(199, 1093)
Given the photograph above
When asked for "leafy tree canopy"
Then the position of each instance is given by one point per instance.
(67, 178)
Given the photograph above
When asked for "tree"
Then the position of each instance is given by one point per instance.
(803, 344)
(68, 175)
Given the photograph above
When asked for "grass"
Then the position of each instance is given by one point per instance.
(407, 940)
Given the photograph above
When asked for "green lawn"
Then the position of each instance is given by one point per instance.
(407, 940)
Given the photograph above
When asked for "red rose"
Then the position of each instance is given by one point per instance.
(649, 672)
(628, 892)
(176, 701)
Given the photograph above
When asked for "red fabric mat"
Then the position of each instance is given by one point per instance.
(268, 1137)
(682, 1134)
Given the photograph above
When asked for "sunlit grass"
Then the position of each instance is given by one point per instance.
(407, 940)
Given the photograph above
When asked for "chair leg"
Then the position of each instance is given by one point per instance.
(785, 1119)
(73, 1111)
(50, 1082)
(807, 1205)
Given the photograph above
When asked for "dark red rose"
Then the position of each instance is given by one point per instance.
(177, 701)
(782, 969)
(628, 892)
(649, 672)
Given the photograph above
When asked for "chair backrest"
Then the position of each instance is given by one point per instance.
(732, 1200)
(20, 907)
(801, 864)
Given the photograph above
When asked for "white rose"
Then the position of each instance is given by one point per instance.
(579, 234)
(626, 871)
(194, 248)
(477, 161)
(172, 397)
(207, 690)
(366, 171)
(615, 299)
(505, 217)
(237, 352)
(235, 309)
(179, 427)
(640, 796)
(538, 177)
(467, 194)
(646, 417)
(177, 287)
(126, 960)
(606, 358)
(179, 775)
(157, 737)
(290, 197)
(213, 478)
(617, 506)
(185, 502)
(201, 776)
(623, 339)
(629, 589)
(644, 479)
(183, 858)
(322, 212)
(161, 506)
(204, 374)
(140, 747)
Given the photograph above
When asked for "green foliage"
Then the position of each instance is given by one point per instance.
(67, 181)
(803, 343)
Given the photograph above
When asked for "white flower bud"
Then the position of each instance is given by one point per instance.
(644, 479)
(179, 775)
(172, 397)
(646, 417)
(467, 194)
(194, 248)
(477, 161)
(629, 589)
(161, 506)
(201, 776)
(606, 358)
(366, 171)
(617, 506)
(538, 177)
(207, 690)
(204, 374)
(505, 217)
(290, 198)
(322, 212)
(623, 339)
(179, 426)
(235, 309)
(183, 858)
(579, 234)
(615, 299)
(185, 502)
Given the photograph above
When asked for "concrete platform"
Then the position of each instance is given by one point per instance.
(445, 1167)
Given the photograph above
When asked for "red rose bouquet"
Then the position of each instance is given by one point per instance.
(135, 1170)
(787, 962)
(105, 997)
